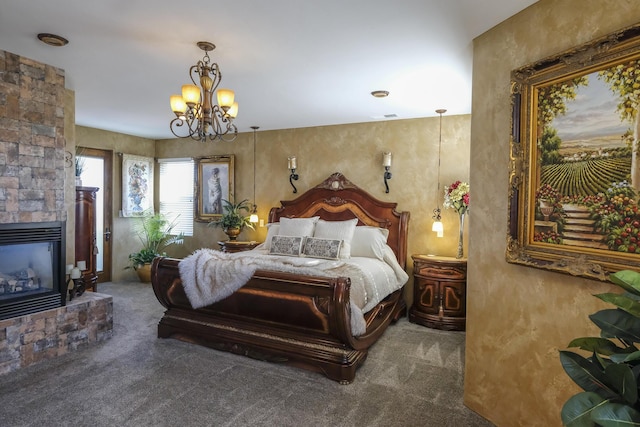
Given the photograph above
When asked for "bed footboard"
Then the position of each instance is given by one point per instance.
(278, 317)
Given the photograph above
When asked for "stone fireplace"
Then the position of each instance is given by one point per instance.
(36, 167)
(32, 170)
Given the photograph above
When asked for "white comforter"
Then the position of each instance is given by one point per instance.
(209, 275)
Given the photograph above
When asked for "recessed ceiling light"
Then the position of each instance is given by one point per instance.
(380, 93)
(52, 39)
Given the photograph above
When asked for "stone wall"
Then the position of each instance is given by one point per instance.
(36, 337)
(32, 97)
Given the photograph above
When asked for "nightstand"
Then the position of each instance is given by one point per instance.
(236, 246)
(439, 292)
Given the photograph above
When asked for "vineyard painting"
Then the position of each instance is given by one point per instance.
(587, 193)
(575, 176)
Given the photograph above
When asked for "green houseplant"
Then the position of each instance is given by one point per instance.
(610, 376)
(154, 232)
(234, 218)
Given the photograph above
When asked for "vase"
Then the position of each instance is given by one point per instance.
(460, 253)
(232, 232)
(144, 272)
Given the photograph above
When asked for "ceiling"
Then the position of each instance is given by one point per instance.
(291, 63)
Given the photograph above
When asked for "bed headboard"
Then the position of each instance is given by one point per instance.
(338, 199)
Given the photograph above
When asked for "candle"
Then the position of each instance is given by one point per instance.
(82, 265)
(69, 268)
(292, 164)
(386, 159)
(75, 273)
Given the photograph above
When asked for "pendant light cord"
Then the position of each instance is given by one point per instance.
(436, 211)
(255, 128)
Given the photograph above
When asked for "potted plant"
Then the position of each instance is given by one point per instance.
(610, 376)
(234, 218)
(154, 232)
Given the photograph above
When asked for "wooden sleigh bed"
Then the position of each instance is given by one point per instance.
(281, 317)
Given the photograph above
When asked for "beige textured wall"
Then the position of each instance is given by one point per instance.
(355, 150)
(123, 242)
(518, 317)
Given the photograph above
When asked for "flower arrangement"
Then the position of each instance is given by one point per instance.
(456, 196)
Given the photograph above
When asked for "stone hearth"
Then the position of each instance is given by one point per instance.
(29, 339)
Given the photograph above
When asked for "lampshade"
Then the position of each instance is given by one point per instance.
(178, 105)
(225, 98)
(438, 228)
(190, 94)
(386, 159)
(254, 218)
(233, 111)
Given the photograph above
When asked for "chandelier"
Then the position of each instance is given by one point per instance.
(197, 117)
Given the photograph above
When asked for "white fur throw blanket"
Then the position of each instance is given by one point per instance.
(209, 275)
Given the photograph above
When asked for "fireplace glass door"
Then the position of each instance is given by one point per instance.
(26, 269)
(31, 268)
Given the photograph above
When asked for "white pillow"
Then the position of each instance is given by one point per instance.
(302, 227)
(369, 242)
(342, 230)
(272, 230)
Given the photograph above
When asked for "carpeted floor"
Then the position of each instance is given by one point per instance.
(412, 377)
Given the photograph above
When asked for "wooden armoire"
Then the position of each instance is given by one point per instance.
(86, 246)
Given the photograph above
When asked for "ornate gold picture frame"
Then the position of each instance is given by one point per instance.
(574, 179)
(215, 182)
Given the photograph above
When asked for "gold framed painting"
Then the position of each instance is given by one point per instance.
(574, 176)
(215, 183)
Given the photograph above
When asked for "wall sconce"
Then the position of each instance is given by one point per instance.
(437, 219)
(386, 162)
(292, 165)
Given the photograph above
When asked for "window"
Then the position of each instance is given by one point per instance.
(176, 193)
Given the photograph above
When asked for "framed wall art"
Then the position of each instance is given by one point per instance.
(574, 178)
(214, 183)
(137, 185)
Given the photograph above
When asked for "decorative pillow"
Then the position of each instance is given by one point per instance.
(322, 248)
(272, 230)
(297, 226)
(286, 245)
(342, 230)
(369, 242)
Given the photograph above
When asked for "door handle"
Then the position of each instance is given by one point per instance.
(107, 234)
